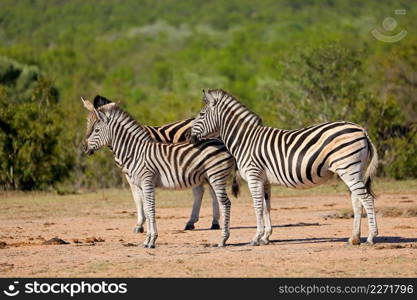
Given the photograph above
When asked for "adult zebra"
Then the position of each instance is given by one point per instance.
(299, 158)
(149, 164)
(175, 132)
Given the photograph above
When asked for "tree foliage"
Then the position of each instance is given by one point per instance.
(294, 62)
(32, 145)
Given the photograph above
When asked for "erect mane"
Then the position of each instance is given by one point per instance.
(224, 96)
(114, 110)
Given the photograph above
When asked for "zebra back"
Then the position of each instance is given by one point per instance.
(171, 133)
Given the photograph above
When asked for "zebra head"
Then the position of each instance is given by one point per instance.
(206, 124)
(98, 132)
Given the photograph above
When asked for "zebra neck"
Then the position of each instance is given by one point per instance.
(238, 131)
(128, 139)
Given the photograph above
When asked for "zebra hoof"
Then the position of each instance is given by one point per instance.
(151, 246)
(189, 227)
(215, 226)
(254, 243)
(354, 241)
(264, 242)
(370, 243)
(221, 245)
(138, 229)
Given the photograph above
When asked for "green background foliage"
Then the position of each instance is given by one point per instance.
(294, 62)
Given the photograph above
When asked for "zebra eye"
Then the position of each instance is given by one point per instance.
(202, 114)
(96, 130)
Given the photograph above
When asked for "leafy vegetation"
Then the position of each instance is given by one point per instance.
(32, 143)
(294, 62)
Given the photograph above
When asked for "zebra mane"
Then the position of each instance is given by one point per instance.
(113, 110)
(223, 96)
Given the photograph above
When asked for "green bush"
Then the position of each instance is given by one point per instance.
(329, 83)
(32, 144)
(293, 62)
(400, 160)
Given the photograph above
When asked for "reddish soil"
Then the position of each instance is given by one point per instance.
(308, 241)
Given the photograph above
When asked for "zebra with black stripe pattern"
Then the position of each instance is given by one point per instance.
(149, 164)
(170, 133)
(177, 132)
(174, 133)
(301, 158)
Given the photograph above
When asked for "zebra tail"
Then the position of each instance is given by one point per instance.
(372, 166)
(236, 183)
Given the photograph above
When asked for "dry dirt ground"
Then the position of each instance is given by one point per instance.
(309, 238)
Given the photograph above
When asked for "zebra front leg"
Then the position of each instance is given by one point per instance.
(256, 188)
(267, 215)
(141, 215)
(216, 212)
(225, 204)
(137, 197)
(198, 192)
(149, 207)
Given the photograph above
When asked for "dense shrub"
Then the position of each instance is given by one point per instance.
(32, 143)
(293, 62)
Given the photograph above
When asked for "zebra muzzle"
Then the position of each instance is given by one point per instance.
(86, 150)
(90, 152)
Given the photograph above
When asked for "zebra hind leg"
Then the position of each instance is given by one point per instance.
(216, 211)
(198, 192)
(368, 204)
(360, 195)
(355, 239)
(225, 204)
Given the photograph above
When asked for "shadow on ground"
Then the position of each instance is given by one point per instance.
(302, 224)
(378, 240)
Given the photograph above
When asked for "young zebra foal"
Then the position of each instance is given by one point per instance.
(149, 164)
(169, 133)
(177, 132)
(174, 133)
(300, 158)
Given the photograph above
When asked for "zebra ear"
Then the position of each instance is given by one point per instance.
(101, 116)
(209, 99)
(87, 104)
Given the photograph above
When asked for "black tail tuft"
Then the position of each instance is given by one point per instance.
(235, 185)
